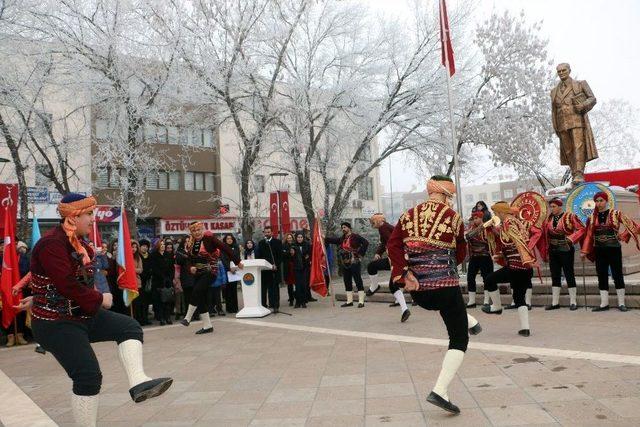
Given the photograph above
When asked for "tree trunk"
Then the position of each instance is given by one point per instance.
(245, 203)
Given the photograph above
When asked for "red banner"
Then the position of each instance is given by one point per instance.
(285, 218)
(317, 280)
(8, 197)
(10, 271)
(445, 40)
(273, 213)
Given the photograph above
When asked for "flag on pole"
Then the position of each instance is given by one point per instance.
(445, 40)
(10, 271)
(273, 213)
(126, 266)
(285, 217)
(317, 279)
(94, 236)
(35, 231)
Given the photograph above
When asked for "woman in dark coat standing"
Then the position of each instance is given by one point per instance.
(300, 253)
(185, 279)
(288, 271)
(161, 277)
(231, 289)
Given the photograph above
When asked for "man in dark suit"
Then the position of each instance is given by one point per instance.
(270, 249)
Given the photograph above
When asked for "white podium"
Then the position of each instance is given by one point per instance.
(252, 288)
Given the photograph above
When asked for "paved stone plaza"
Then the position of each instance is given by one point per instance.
(349, 367)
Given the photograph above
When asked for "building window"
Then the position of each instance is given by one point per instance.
(495, 196)
(365, 189)
(43, 172)
(332, 186)
(174, 180)
(508, 193)
(172, 133)
(468, 198)
(482, 196)
(183, 136)
(108, 177)
(258, 183)
(198, 181)
(208, 138)
(296, 185)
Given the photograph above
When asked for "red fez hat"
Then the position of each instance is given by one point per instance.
(556, 201)
(602, 194)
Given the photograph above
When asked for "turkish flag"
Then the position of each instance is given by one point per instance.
(10, 271)
(445, 40)
(317, 280)
(285, 217)
(8, 199)
(273, 212)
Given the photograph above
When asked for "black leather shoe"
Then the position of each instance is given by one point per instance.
(347, 304)
(605, 308)
(552, 307)
(394, 304)
(360, 305)
(476, 329)
(573, 307)
(40, 350)
(487, 309)
(471, 305)
(405, 315)
(296, 306)
(439, 401)
(149, 389)
(529, 307)
(414, 303)
(371, 292)
(184, 322)
(623, 308)
(221, 313)
(162, 323)
(303, 305)
(510, 307)
(169, 322)
(524, 332)
(312, 299)
(290, 303)
(204, 331)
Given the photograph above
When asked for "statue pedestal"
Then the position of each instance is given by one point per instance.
(626, 202)
(252, 289)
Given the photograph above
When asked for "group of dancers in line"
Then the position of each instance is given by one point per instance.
(424, 249)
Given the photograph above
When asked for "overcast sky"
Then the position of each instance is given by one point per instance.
(599, 38)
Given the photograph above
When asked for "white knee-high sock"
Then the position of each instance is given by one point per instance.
(374, 282)
(349, 297)
(604, 298)
(487, 299)
(130, 352)
(399, 296)
(450, 365)
(620, 293)
(85, 410)
(523, 314)
(190, 312)
(206, 320)
(573, 296)
(496, 303)
(472, 297)
(527, 296)
(471, 320)
(555, 295)
(361, 297)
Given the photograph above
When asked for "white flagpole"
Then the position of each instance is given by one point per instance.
(454, 144)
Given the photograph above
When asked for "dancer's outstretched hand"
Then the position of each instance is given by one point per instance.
(25, 303)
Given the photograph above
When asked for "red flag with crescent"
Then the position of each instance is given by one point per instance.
(285, 217)
(273, 213)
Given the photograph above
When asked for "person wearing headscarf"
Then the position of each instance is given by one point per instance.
(425, 248)
(481, 242)
(68, 313)
(300, 254)
(481, 206)
(203, 251)
(231, 288)
(602, 244)
(382, 263)
(513, 250)
(560, 232)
